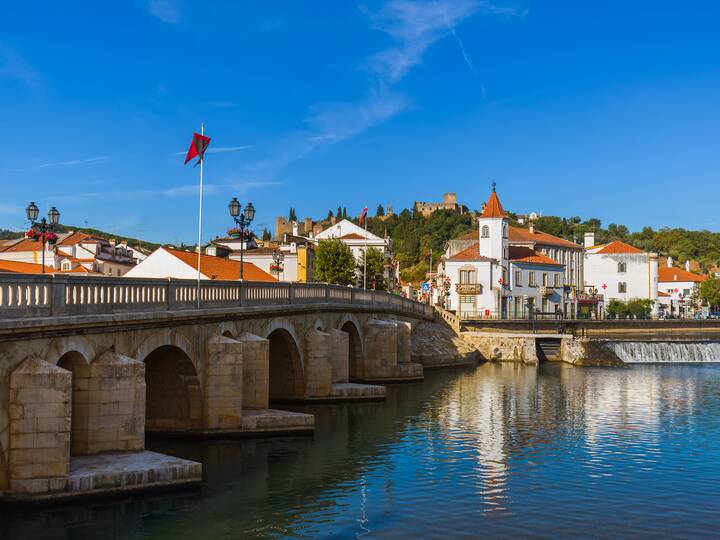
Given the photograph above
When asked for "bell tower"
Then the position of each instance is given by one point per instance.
(493, 226)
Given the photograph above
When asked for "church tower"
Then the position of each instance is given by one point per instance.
(493, 226)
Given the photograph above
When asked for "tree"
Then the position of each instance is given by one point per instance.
(380, 211)
(292, 216)
(334, 263)
(375, 268)
(338, 214)
(329, 216)
(344, 213)
(710, 292)
(266, 235)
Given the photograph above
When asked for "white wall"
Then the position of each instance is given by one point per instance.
(640, 275)
(487, 273)
(161, 264)
(523, 288)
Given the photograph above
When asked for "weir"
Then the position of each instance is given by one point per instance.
(635, 352)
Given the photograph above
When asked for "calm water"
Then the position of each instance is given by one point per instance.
(497, 451)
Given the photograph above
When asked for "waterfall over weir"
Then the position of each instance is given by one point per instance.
(634, 352)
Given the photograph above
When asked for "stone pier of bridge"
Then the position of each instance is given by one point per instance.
(89, 368)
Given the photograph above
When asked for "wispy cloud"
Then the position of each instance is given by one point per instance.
(165, 10)
(14, 66)
(184, 190)
(73, 162)
(413, 26)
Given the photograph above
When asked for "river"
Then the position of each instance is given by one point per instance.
(498, 451)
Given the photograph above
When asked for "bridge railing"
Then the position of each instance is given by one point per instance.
(58, 295)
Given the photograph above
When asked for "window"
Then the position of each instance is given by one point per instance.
(622, 287)
(557, 280)
(518, 278)
(485, 232)
(467, 276)
(686, 292)
(505, 230)
(531, 279)
(65, 265)
(468, 301)
(544, 279)
(622, 267)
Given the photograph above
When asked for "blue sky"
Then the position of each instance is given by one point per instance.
(604, 109)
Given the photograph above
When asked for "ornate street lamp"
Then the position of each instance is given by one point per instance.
(43, 229)
(242, 220)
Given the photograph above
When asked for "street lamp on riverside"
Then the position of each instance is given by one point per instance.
(242, 220)
(43, 229)
(277, 265)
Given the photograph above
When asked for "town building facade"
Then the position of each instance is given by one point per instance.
(677, 288)
(621, 272)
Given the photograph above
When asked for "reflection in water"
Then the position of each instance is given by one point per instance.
(501, 450)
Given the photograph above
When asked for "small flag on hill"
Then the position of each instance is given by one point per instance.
(363, 215)
(197, 147)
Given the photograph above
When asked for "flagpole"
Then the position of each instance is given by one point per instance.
(202, 159)
(365, 254)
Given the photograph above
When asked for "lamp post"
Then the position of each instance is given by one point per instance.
(43, 227)
(278, 259)
(242, 220)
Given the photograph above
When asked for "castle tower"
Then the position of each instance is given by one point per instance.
(493, 226)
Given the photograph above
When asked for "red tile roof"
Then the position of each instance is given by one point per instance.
(660, 293)
(616, 246)
(666, 275)
(470, 254)
(527, 255)
(493, 208)
(352, 236)
(516, 234)
(221, 268)
(23, 267)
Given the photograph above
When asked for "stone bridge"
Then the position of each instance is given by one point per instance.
(88, 366)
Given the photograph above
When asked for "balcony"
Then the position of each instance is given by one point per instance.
(468, 288)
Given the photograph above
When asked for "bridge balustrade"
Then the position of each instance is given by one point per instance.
(46, 296)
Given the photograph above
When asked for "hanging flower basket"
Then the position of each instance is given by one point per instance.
(33, 235)
(236, 233)
(277, 268)
(51, 238)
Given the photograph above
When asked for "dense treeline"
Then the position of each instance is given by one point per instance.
(414, 236)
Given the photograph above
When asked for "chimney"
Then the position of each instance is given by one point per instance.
(669, 262)
(687, 266)
(532, 229)
(589, 239)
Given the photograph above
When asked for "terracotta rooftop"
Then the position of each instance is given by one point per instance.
(527, 255)
(470, 254)
(352, 236)
(516, 234)
(493, 208)
(221, 268)
(616, 246)
(666, 275)
(660, 293)
(23, 267)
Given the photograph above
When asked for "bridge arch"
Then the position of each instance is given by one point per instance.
(79, 366)
(287, 380)
(228, 329)
(173, 395)
(62, 345)
(355, 348)
(164, 337)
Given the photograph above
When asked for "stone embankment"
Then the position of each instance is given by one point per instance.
(435, 345)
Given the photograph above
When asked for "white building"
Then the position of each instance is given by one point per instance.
(356, 238)
(74, 252)
(491, 278)
(675, 287)
(620, 271)
(172, 263)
